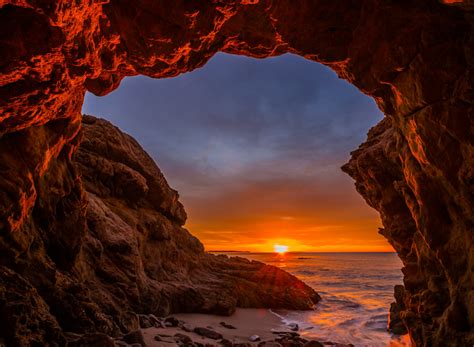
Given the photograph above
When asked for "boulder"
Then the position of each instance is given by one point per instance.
(162, 338)
(226, 343)
(145, 321)
(187, 327)
(135, 337)
(254, 338)
(228, 326)
(183, 339)
(171, 322)
(208, 333)
(293, 327)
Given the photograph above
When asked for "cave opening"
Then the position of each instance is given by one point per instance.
(254, 148)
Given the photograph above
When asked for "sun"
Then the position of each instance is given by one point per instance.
(280, 249)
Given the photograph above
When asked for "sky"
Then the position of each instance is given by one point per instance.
(254, 148)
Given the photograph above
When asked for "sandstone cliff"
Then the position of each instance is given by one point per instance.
(415, 58)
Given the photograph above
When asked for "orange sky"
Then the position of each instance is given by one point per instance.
(298, 237)
(316, 213)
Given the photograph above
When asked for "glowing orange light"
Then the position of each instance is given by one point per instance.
(280, 249)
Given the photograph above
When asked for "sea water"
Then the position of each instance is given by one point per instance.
(356, 291)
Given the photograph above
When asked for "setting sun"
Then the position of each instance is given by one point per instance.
(280, 249)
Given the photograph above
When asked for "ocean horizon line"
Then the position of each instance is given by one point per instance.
(328, 252)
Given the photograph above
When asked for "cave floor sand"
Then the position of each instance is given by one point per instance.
(247, 322)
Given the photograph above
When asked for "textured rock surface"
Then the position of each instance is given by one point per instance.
(135, 239)
(395, 321)
(127, 253)
(416, 168)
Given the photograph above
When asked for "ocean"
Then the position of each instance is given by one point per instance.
(356, 291)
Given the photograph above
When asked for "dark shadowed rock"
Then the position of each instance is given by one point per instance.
(162, 338)
(313, 343)
(291, 343)
(227, 326)
(145, 322)
(184, 339)
(208, 333)
(226, 343)
(135, 337)
(157, 323)
(269, 344)
(395, 322)
(92, 340)
(171, 321)
(293, 327)
(119, 343)
(22, 310)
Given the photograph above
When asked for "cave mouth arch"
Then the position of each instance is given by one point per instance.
(242, 137)
(415, 59)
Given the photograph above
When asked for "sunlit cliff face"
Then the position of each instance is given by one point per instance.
(255, 151)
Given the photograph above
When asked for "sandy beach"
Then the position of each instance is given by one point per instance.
(248, 322)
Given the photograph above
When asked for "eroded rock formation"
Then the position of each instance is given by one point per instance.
(416, 168)
(139, 254)
(123, 251)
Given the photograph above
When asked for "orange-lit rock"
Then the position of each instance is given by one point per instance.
(416, 168)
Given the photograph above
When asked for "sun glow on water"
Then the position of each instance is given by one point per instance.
(280, 249)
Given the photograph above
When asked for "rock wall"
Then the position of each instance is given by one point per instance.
(416, 167)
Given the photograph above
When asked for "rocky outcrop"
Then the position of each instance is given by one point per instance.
(128, 254)
(419, 217)
(416, 168)
(135, 239)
